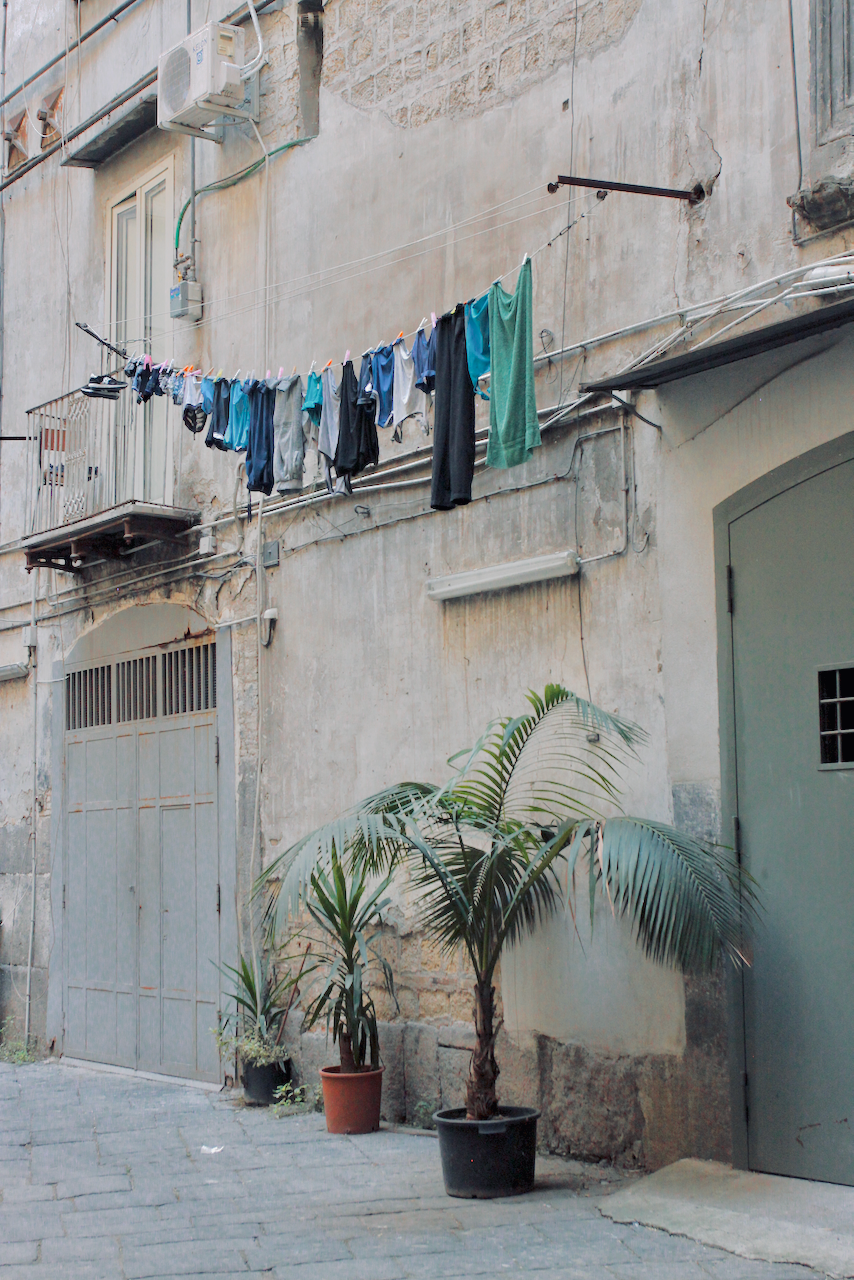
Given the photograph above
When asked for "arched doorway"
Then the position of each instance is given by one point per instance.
(148, 866)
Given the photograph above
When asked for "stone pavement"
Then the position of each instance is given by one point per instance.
(105, 1176)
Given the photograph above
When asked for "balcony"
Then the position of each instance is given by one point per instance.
(99, 479)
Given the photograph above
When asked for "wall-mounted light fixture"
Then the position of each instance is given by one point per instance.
(497, 577)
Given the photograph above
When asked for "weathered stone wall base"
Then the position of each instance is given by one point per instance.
(641, 1112)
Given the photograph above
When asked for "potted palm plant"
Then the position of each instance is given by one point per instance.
(348, 913)
(529, 808)
(253, 1030)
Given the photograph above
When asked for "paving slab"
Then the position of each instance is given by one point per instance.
(755, 1215)
(109, 1182)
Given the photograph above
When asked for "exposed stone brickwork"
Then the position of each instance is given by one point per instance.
(419, 59)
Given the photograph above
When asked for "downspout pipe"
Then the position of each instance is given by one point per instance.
(34, 651)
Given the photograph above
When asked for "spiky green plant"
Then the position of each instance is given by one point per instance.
(537, 794)
(345, 909)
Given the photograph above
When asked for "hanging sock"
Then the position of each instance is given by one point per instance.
(477, 341)
(514, 429)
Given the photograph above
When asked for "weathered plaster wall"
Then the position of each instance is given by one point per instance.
(429, 115)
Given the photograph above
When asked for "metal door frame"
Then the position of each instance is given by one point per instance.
(226, 799)
(813, 463)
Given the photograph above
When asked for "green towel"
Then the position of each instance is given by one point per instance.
(514, 430)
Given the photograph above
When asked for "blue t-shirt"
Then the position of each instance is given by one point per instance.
(382, 368)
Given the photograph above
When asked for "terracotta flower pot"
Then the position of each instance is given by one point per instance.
(352, 1100)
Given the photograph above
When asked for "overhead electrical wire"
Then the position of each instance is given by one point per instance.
(222, 184)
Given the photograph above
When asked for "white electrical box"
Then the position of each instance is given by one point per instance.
(185, 300)
(200, 78)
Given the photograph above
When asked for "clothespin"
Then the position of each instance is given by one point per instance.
(209, 372)
(237, 375)
(293, 375)
(269, 375)
(422, 322)
(221, 374)
(346, 355)
(313, 363)
(328, 365)
(433, 318)
(282, 371)
(400, 335)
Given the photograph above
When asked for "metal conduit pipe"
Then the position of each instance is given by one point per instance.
(33, 826)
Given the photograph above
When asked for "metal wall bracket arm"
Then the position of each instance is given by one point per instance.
(694, 196)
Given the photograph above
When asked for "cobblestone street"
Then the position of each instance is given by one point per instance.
(105, 1175)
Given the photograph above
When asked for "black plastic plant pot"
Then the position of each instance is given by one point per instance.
(482, 1159)
(260, 1083)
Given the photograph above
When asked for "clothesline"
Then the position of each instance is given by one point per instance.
(273, 419)
(304, 290)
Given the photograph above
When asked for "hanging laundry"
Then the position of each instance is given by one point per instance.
(207, 394)
(366, 404)
(219, 414)
(407, 400)
(237, 435)
(514, 429)
(424, 355)
(176, 387)
(288, 435)
(346, 458)
(477, 341)
(259, 449)
(382, 377)
(194, 416)
(453, 430)
(327, 440)
(313, 402)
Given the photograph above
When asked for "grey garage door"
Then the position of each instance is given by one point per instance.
(141, 894)
(792, 559)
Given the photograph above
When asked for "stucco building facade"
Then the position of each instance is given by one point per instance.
(425, 136)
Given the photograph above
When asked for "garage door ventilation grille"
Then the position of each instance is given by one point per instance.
(136, 689)
(88, 698)
(189, 679)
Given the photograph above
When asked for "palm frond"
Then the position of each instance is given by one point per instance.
(367, 834)
(686, 900)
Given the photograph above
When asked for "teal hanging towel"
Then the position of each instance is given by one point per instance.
(514, 430)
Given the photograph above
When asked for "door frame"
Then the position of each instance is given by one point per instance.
(152, 624)
(807, 465)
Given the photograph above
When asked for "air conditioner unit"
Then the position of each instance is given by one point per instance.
(199, 80)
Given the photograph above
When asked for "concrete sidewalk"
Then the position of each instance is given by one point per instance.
(106, 1176)
(755, 1215)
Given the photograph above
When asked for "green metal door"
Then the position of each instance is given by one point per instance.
(792, 576)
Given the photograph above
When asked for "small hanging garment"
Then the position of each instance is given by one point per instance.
(453, 430)
(259, 449)
(140, 378)
(514, 430)
(176, 386)
(382, 374)
(477, 341)
(346, 458)
(327, 441)
(194, 415)
(366, 404)
(288, 435)
(407, 400)
(219, 415)
(313, 402)
(237, 435)
(424, 355)
(207, 394)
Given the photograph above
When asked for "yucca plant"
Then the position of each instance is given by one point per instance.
(345, 910)
(538, 794)
(255, 1026)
